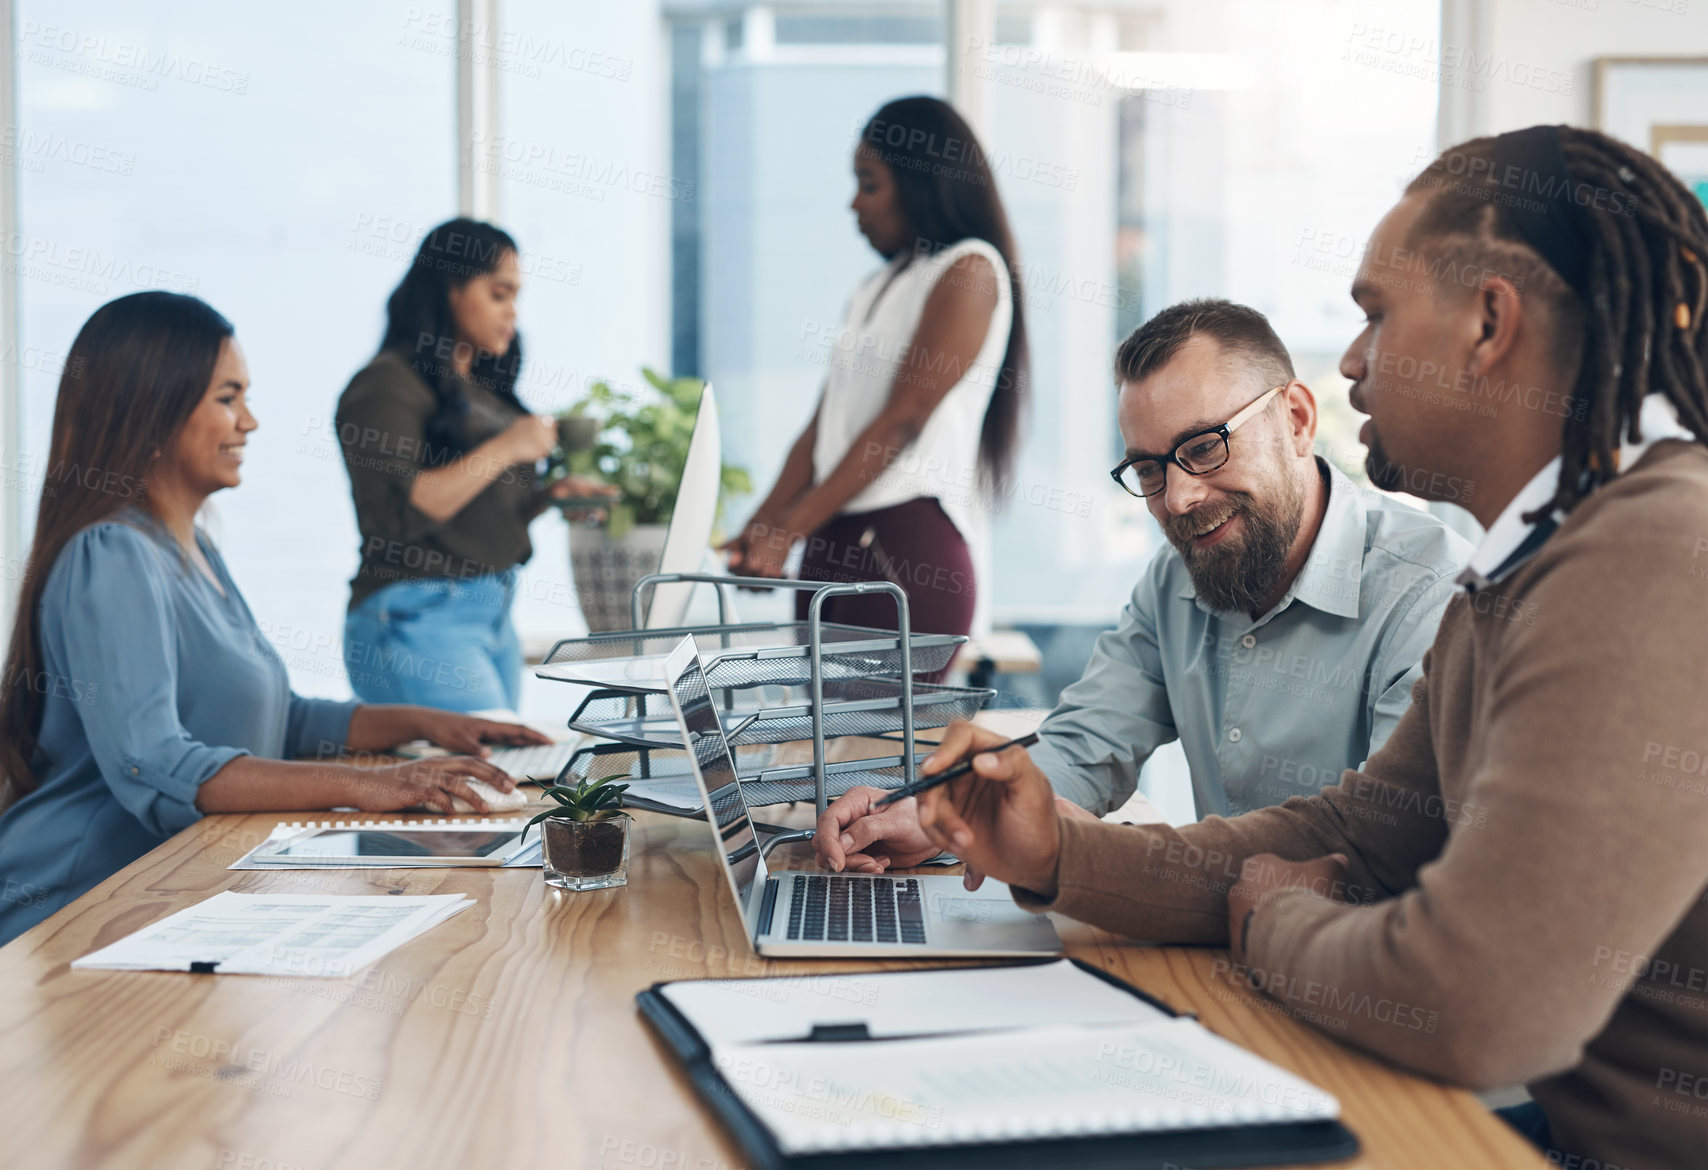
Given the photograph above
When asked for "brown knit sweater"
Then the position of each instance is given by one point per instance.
(384, 428)
(1528, 899)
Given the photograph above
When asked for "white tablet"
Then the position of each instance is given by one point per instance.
(407, 845)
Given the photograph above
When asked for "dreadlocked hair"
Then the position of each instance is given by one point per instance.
(1642, 331)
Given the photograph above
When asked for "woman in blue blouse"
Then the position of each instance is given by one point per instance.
(139, 692)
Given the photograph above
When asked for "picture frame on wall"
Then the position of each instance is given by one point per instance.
(1660, 105)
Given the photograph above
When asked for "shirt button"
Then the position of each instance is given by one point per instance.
(1248, 641)
(135, 771)
(1234, 735)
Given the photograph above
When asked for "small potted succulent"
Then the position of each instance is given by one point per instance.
(586, 837)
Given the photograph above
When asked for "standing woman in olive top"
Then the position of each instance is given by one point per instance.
(441, 455)
(139, 692)
(892, 479)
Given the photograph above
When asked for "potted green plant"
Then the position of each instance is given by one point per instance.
(641, 448)
(585, 839)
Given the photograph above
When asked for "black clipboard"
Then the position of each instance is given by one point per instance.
(1247, 1145)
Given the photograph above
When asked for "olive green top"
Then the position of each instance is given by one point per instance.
(383, 421)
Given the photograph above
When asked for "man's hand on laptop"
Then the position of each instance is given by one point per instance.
(852, 836)
(1000, 820)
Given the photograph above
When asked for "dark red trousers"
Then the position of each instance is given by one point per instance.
(916, 546)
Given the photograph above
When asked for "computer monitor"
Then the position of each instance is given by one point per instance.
(690, 531)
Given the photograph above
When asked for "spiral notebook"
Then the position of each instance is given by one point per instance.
(1053, 1064)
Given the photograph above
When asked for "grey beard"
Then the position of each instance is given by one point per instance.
(1238, 579)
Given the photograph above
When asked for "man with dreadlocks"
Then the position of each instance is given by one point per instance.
(1514, 889)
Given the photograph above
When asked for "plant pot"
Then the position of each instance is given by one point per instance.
(586, 855)
(606, 570)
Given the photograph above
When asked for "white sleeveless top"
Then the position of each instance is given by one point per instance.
(866, 355)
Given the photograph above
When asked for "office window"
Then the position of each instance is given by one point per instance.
(587, 187)
(923, 29)
(1145, 153)
(766, 255)
(678, 176)
(279, 161)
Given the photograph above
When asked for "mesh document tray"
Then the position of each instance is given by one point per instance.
(745, 655)
(753, 715)
(661, 780)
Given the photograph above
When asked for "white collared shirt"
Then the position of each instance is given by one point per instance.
(1657, 420)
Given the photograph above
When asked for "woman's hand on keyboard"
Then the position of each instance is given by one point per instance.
(469, 735)
(432, 782)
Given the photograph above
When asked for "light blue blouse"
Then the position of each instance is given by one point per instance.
(152, 681)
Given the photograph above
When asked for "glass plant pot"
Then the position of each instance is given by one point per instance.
(586, 855)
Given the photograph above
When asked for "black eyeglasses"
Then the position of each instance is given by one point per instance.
(1146, 475)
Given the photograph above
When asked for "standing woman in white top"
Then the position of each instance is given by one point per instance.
(895, 477)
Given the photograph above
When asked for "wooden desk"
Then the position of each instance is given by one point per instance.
(504, 1038)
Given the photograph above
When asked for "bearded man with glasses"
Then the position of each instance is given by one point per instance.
(1278, 639)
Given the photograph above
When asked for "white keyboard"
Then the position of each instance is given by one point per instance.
(540, 762)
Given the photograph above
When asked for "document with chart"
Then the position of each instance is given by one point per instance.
(328, 935)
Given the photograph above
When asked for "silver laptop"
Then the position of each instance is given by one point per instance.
(823, 914)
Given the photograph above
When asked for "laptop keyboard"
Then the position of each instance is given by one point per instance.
(838, 908)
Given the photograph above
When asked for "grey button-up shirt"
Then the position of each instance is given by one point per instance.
(1264, 709)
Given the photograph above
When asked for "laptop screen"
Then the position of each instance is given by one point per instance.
(726, 810)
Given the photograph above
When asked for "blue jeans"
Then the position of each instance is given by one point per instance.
(437, 641)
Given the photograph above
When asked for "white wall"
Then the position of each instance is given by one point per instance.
(1540, 56)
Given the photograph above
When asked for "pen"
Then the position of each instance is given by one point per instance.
(925, 784)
